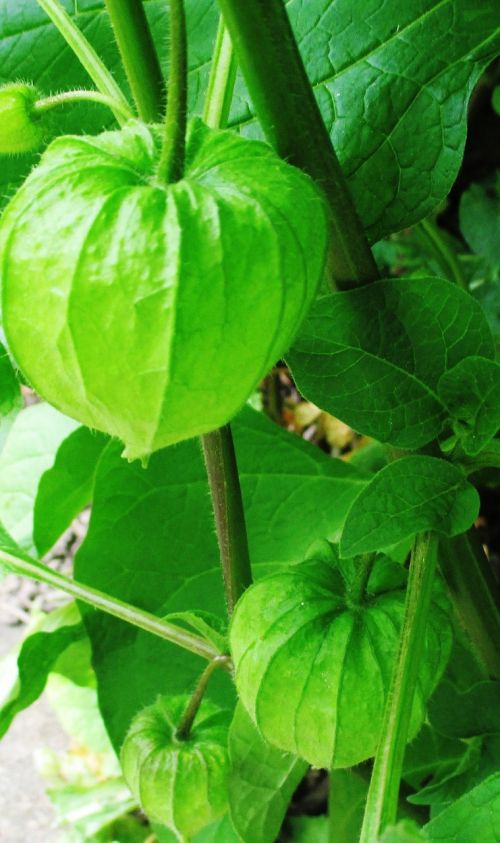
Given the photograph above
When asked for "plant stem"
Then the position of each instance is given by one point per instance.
(489, 458)
(445, 255)
(138, 54)
(68, 97)
(171, 164)
(475, 595)
(184, 729)
(290, 117)
(225, 489)
(86, 55)
(111, 605)
(221, 81)
(383, 793)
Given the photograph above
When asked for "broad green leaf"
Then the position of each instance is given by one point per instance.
(66, 487)
(473, 818)
(431, 755)
(471, 392)
(212, 627)
(300, 639)
(37, 657)
(409, 496)
(373, 356)
(121, 278)
(151, 541)
(346, 805)
(406, 83)
(262, 780)
(475, 711)
(180, 783)
(10, 396)
(84, 812)
(221, 831)
(29, 450)
(479, 213)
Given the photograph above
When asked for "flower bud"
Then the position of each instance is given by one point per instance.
(21, 130)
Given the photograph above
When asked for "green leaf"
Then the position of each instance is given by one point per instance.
(180, 783)
(373, 356)
(473, 818)
(346, 805)
(393, 89)
(235, 253)
(151, 541)
(301, 638)
(37, 657)
(480, 759)
(471, 391)
(29, 450)
(310, 830)
(431, 755)
(466, 714)
(66, 487)
(478, 216)
(407, 497)
(10, 396)
(221, 831)
(262, 780)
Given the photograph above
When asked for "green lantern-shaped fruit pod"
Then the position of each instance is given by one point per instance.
(181, 784)
(313, 665)
(151, 311)
(21, 129)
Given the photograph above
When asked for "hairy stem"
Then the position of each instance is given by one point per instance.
(138, 54)
(383, 793)
(111, 605)
(290, 117)
(171, 164)
(184, 729)
(225, 489)
(221, 81)
(69, 97)
(86, 55)
(357, 591)
(475, 595)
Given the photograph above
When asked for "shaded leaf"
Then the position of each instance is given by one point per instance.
(66, 487)
(475, 817)
(262, 781)
(11, 400)
(471, 392)
(466, 714)
(407, 497)
(373, 356)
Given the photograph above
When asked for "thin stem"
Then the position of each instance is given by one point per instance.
(445, 255)
(184, 729)
(111, 605)
(475, 595)
(69, 97)
(86, 54)
(290, 117)
(225, 489)
(171, 164)
(221, 81)
(138, 54)
(383, 793)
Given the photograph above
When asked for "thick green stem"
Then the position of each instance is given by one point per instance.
(357, 591)
(383, 793)
(171, 166)
(86, 55)
(475, 595)
(138, 54)
(223, 478)
(70, 97)
(287, 110)
(111, 605)
(184, 729)
(221, 81)
(443, 253)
